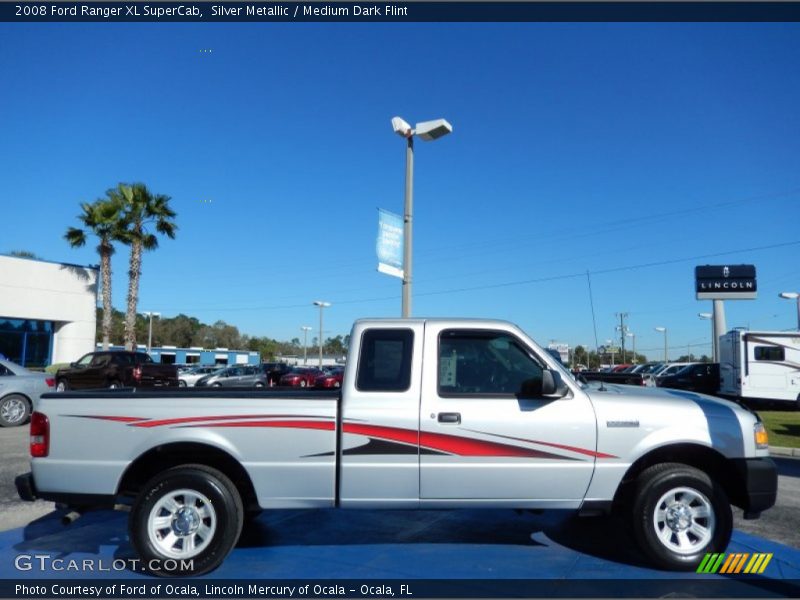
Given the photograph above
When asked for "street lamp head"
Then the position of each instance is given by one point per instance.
(321, 304)
(433, 130)
(661, 329)
(789, 295)
(306, 328)
(705, 315)
(401, 127)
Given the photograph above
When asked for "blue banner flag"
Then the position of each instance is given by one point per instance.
(390, 243)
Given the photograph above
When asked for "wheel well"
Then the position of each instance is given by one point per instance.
(164, 457)
(721, 470)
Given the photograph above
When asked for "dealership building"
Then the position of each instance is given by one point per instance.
(47, 310)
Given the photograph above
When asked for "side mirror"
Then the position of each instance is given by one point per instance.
(552, 384)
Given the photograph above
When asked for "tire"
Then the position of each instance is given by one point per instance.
(62, 385)
(303, 383)
(181, 383)
(259, 384)
(14, 410)
(189, 505)
(679, 515)
(114, 385)
(216, 385)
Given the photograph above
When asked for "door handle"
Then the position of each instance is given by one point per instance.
(449, 418)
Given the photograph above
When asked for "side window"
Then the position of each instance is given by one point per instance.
(100, 360)
(486, 363)
(770, 353)
(85, 360)
(5, 372)
(385, 361)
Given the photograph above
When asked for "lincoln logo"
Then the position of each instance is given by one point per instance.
(726, 272)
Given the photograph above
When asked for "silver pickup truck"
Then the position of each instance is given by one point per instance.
(433, 413)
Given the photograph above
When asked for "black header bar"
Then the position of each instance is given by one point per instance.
(399, 12)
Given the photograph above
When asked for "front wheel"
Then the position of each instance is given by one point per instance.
(186, 521)
(303, 383)
(679, 515)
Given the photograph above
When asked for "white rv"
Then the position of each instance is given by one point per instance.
(760, 365)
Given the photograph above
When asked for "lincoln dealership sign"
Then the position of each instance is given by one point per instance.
(729, 282)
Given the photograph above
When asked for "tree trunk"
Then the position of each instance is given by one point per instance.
(105, 273)
(134, 273)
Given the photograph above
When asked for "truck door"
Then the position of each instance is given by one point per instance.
(379, 443)
(487, 437)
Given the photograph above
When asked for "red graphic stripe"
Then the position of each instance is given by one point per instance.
(182, 420)
(591, 453)
(394, 434)
(118, 419)
(325, 425)
(451, 444)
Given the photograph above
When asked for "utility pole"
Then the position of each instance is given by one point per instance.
(623, 330)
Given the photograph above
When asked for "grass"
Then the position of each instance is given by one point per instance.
(783, 427)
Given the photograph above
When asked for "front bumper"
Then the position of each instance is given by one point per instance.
(760, 479)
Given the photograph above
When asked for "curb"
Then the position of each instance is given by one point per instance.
(779, 451)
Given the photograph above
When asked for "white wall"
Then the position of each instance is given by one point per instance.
(66, 294)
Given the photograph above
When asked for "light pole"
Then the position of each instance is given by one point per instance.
(306, 329)
(714, 340)
(793, 296)
(664, 330)
(632, 335)
(150, 329)
(428, 131)
(321, 305)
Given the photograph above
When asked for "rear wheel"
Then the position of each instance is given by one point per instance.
(181, 383)
(303, 383)
(14, 410)
(680, 514)
(62, 386)
(114, 385)
(259, 384)
(186, 521)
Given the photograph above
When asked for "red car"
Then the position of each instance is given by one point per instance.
(301, 377)
(331, 379)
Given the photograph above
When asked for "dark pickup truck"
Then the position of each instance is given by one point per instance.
(113, 369)
(610, 377)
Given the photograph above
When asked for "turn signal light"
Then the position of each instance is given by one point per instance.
(761, 437)
(40, 435)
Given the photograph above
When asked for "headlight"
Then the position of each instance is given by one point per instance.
(760, 436)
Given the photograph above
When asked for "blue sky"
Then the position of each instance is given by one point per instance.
(576, 147)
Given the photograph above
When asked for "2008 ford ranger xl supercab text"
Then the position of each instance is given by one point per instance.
(433, 413)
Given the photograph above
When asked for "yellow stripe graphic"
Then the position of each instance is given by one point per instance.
(766, 562)
(749, 567)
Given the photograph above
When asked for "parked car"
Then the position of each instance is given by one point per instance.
(113, 369)
(19, 387)
(301, 377)
(189, 378)
(332, 378)
(235, 376)
(670, 369)
(620, 368)
(274, 372)
(698, 377)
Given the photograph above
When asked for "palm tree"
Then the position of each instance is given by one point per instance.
(142, 210)
(102, 218)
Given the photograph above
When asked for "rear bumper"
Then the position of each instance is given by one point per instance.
(26, 489)
(760, 478)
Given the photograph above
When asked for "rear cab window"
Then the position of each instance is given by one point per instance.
(385, 360)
